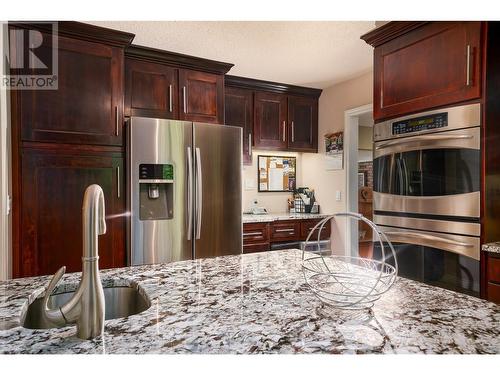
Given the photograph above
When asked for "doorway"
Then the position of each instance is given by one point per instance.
(359, 177)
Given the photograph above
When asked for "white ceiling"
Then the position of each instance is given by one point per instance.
(316, 54)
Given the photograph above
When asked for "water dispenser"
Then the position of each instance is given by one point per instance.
(156, 191)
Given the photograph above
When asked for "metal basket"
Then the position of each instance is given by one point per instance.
(348, 282)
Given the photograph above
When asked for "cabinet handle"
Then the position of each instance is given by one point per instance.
(284, 130)
(117, 122)
(118, 187)
(285, 230)
(468, 65)
(293, 132)
(250, 144)
(184, 100)
(252, 234)
(170, 103)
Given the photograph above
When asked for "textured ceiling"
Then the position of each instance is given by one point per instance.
(316, 54)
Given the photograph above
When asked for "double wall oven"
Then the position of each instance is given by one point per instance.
(427, 194)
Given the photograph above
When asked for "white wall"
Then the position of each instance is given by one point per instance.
(334, 101)
(274, 202)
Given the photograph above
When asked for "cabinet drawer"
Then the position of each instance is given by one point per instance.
(255, 247)
(493, 292)
(307, 225)
(285, 231)
(494, 269)
(255, 233)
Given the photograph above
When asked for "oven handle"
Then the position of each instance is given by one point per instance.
(435, 137)
(428, 237)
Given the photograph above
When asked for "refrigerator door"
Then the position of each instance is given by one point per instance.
(218, 206)
(159, 213)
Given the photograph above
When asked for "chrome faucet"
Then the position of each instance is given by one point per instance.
(86, 307)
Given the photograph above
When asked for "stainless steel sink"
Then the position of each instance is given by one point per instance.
(119, 302)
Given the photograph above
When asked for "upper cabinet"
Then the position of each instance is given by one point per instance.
(87, 107)
(283, 117)
(202, 96)
(270, 126)
(239, 112)
(423, 65)
(174, 86)
(303, 120)
(150, 90)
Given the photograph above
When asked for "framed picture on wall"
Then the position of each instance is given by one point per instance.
(276, 173)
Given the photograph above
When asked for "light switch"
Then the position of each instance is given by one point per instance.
(338, 195)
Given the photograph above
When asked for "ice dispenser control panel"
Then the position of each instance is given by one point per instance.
(156, 191)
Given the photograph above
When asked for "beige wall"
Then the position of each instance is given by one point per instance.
(273, 202)
(334, 101)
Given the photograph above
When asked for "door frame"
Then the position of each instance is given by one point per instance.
(5, 170)
(351, 126)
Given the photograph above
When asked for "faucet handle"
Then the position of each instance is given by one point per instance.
(54, 315)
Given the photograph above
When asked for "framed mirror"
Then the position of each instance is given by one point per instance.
(276, 173)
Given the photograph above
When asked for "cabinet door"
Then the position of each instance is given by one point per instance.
(239, 112)
(202, 96)
(303, 124)
(270, 121)
(435, 65)
(87, 107)
(53, 183)
(151, 90)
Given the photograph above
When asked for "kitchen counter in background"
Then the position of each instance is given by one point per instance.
(266, 218)
(258, 303)
(492, 247)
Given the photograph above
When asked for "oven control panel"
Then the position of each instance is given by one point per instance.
(417, 124)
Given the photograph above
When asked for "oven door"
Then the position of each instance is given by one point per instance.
(435, 174)
(445, 260)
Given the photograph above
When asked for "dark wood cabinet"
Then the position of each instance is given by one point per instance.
(255, 237)
(306, 226)
(171, 85)
(433, 64)
(87, 107)
(202, 96)
(239, 112)
(270, 111)
(303, 124)
(285, 117)
(151, 90)
(54, 180)
(492, 276)
(285, 230)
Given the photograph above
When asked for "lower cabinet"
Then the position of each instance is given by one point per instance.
(259, 236)
(493, 277)
(53, 183)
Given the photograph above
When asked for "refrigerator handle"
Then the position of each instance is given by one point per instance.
(199, 196)
(190, 193)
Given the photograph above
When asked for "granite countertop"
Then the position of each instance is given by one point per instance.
(492, 247)
(250, 218)
(257, 303)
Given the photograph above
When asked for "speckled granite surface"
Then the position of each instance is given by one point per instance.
(258, 303)
(493, 247)
(249, 218)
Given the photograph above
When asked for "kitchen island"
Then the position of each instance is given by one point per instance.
(257, 303)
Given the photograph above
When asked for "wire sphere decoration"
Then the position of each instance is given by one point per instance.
(348, 282)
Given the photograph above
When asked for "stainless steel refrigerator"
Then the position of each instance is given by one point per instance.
(184, 190)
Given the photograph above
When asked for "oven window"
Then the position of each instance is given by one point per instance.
(435, 267)
(432, 172)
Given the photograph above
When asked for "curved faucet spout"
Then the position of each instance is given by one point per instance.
(86, 307)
